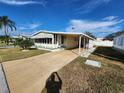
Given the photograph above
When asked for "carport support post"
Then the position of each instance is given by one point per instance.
(53, 41)
(80, 45)
(84, 43)
(88, 44)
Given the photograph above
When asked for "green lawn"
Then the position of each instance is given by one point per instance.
(78, 77)
(16, 53)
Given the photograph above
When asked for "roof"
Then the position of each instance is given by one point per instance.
(119, 34)
(63, 33)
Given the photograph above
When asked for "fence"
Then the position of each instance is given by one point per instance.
(103, 43)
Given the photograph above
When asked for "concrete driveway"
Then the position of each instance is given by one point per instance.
(29, 75)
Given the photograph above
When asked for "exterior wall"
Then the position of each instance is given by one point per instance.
(49, 46)
(119, 42)
(58, 41)
(91, 43)
(71, 41)
(45, 45)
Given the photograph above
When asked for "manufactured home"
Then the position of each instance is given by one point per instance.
(119, 42)
(66, 40)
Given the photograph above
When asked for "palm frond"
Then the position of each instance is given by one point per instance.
(12, 27)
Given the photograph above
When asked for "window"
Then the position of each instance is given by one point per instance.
(37, 40)
(115, 41)
(121, 41)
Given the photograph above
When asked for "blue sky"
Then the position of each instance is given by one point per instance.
(101, 17)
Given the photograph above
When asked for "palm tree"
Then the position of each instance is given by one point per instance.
(7, 25)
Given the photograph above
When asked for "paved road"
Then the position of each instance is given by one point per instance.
(3, 85)
(29, 75)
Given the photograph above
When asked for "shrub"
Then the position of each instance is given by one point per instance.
(24, 43)
(5, 39)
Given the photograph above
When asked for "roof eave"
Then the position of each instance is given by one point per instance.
(45, 31)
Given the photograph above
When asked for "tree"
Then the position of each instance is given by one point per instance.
(90, 34)
(112, 35)
(7, 25)
(3, 38)
(24, 43)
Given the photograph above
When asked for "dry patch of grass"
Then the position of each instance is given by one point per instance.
(109, 53)
(2, 44)
(80, 78)
(16, 53)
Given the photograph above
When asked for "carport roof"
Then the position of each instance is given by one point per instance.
(63, 33)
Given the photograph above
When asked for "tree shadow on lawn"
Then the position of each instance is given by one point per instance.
(109, 53)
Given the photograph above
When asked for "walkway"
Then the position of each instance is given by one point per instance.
(87, 53)
(84, 52)
(3, 85)
(29, 75)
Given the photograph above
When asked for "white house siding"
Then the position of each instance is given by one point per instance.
(91, 43)
(119, 42)
(49, 46)
(45, 44)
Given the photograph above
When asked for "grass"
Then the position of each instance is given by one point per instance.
(109, 53)
(78, 77)
(16, 53)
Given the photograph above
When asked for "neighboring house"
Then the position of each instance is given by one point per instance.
(67, 40)
(119, 42)
(103, 42)
(20, 36)
(14, 38)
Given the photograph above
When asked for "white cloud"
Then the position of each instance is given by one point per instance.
(90, 25)
(30, 26)
(19, 2)
(25, 33)
(103, 26)
(27, 29)
(102, 32)
(110, 18)
(64, 2)
(90, 6)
